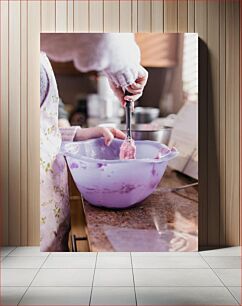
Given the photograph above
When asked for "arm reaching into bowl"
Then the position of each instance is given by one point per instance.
(77, 134)
(95, 132)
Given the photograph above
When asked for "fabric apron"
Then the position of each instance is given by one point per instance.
(54, 198)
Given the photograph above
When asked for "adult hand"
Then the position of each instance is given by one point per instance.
(135, 89)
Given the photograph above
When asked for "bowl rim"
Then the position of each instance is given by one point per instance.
(119, 161)
(122, 127)
(149, 131)
(153, 130)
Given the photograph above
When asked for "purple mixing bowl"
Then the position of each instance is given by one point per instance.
(105, 180)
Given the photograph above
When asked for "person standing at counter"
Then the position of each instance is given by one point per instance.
(118, 56)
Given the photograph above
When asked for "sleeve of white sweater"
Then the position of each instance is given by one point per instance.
(116, 54)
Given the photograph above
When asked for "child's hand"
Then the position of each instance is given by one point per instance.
(110, 133)
(95, 132)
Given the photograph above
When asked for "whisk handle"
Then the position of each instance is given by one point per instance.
(128, 112)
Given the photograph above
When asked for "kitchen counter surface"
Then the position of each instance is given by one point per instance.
(165, 221)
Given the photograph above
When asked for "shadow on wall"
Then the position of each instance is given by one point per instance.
(209, 175)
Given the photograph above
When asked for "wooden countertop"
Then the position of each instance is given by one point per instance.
(165, 221)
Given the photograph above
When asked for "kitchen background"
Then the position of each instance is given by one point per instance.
(172, 62)
(164, 57)
(217, 24)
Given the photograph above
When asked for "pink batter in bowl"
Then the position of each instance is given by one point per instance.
(105, 180)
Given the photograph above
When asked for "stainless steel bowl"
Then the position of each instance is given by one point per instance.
(146, 132)
(145, 114)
